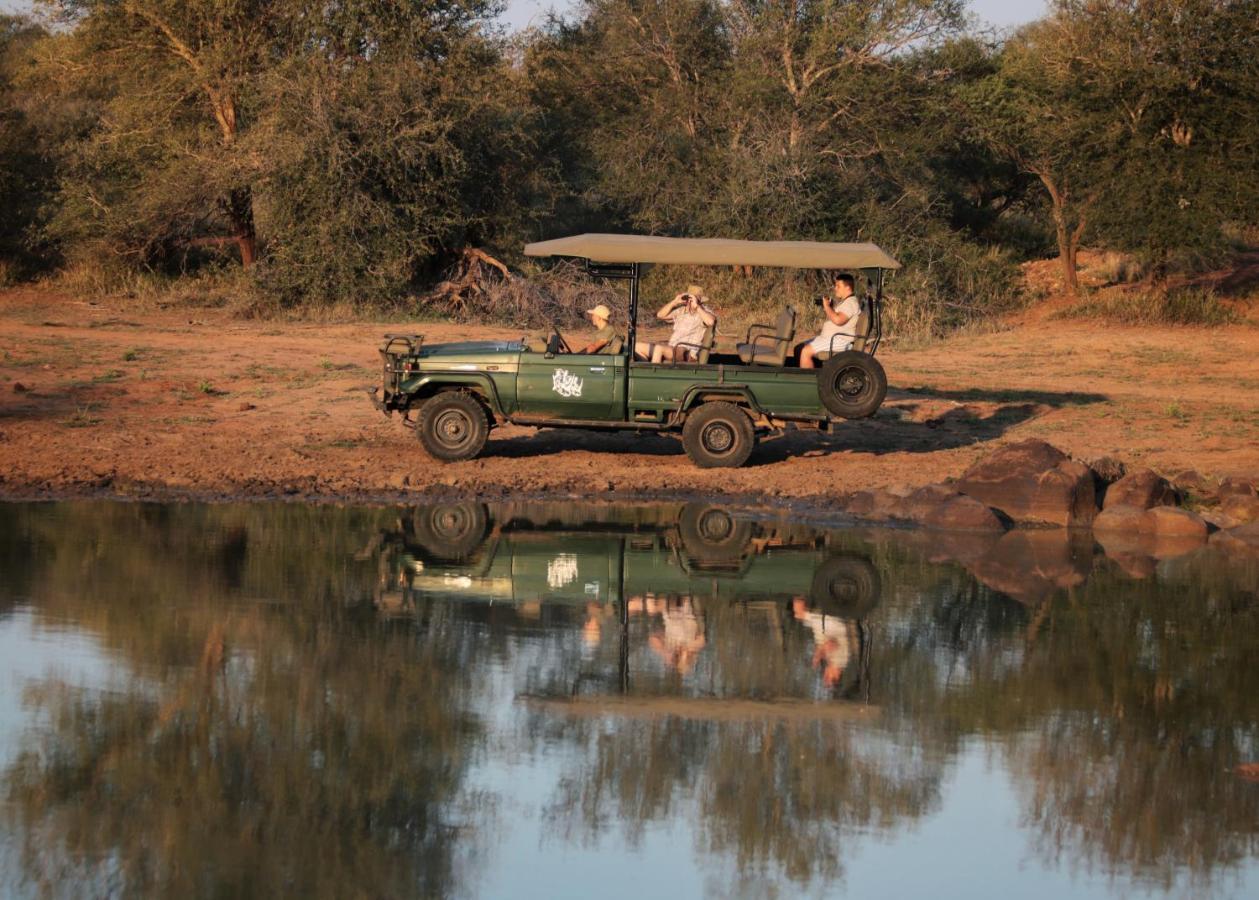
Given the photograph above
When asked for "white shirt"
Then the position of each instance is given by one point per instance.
(688, 327)
(849, 306)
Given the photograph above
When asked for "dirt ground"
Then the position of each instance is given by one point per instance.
(96, 399)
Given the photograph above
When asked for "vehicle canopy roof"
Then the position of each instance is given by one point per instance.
(637, 248)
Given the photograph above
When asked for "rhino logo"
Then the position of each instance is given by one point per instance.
(565, 383)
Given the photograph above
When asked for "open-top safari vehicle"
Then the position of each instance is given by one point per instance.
(453, 394)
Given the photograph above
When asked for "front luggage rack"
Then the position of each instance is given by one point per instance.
(394, 350)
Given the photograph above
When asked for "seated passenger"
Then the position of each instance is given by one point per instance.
(605, 334)
(840, 328)
(690, 316)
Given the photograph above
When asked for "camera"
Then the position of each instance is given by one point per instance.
(819, 301)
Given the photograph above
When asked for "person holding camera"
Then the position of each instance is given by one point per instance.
(690, 316)
(842, 309)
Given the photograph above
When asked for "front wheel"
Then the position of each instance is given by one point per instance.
(452, 426)
(718, 435)
(852, 384)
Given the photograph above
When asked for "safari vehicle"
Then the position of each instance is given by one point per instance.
(465, 551)
(453, 394)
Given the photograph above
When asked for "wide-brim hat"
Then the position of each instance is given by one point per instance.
(601, 312)
(697, 292)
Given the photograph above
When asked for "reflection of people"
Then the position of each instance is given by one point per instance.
(834, 639)
(601, 318)
(592, 629)
(842, 310)
(690, 316)
(681, 638)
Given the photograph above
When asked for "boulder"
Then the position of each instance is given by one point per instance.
(1241, 508)
(1143, 489)
(1120, 518)
(879, 504)
(1190, 481)
(925, 501)
(1235, 486)
(1241, 541)
(1107, 470)
(1030, 564)
(963, 514)
(1032, 481)
(1174, 522)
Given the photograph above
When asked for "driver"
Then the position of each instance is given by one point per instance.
(605, 334)
(840, 328)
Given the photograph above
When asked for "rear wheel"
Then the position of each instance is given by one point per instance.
(452, 426)
(852, 384)
(450, 531)
(846, 586)
(718, 435)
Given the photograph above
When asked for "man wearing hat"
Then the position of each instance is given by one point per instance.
(690, 315)
(605, 334)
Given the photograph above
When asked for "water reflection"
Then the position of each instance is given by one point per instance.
(387, 701)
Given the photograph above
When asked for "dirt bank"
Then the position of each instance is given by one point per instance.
(98, 399)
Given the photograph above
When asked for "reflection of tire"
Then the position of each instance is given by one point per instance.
(452, 426)
(852, 384)
(845, 586)
(451, 531)
(718, 435)
(711, 533)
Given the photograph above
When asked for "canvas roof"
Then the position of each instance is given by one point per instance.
(637, 248)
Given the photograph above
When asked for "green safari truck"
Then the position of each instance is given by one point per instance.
(719, 402)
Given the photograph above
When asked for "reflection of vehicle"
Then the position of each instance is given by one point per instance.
(718, 403)
(457, 551)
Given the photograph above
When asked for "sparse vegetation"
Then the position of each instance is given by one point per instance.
(1158, 306)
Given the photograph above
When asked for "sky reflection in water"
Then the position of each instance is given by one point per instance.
(551, 700)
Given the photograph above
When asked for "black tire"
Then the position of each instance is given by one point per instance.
(847, 587)
(852, 384)
(718, 435)
(452, 426)
(450, 532)
(710, 533)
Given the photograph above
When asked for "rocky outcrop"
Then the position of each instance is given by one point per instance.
(1174, 522)
(1241, 508)
(1033, 482)
(1143, 489)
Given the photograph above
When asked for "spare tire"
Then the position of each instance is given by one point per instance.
(846, 586)
(852, 384)
(710, 533)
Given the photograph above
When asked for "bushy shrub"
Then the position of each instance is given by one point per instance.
(1157, 306)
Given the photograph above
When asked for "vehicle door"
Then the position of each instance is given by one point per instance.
(570, 385)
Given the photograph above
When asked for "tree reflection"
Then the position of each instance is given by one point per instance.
(279, 747)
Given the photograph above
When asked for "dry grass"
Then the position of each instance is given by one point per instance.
(1156, 306)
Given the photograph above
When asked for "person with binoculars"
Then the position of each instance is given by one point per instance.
(690, 316)
(839, 331)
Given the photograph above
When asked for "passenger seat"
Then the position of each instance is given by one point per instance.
(768, 345)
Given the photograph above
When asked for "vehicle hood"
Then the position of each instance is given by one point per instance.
(465, 348)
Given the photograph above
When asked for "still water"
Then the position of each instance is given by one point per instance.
(531, 700)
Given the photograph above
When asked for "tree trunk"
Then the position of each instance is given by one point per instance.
(240, 210)
(1068, 251)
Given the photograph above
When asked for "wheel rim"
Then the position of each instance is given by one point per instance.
(852, 384)
(715, 526)
(450, 522)
(718, 438)
(452, 428)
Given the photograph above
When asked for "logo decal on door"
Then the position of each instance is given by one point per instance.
(566, 384)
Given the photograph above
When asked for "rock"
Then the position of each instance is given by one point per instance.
(1143, 489)
(925, 501)
(399, 480)
(19, 388)
(879, 504)
(1032, 481)
(1128, 550)
(245, 407)
(1241, 508)
(1190, 481)
(1107, 470)
(1235, 486)
(1120, 518)
(1172, 521)
(962, 514)
(1242, 540)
